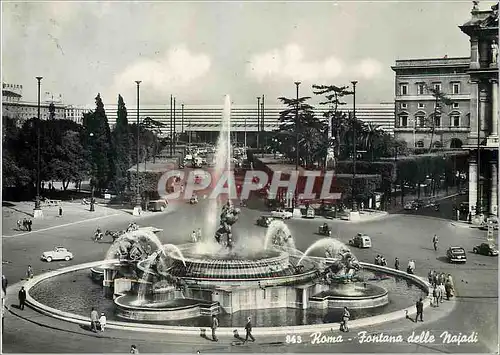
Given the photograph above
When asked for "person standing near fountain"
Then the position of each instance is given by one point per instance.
(345, 319)
(215, 325)
(102, 321)
(420, 310)
(94, 318)
(396, 263)
(22, 298)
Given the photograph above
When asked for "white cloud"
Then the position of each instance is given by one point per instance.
(176, 69)
(368, 68)
(289, 63)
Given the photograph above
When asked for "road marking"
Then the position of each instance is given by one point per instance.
(61, 225)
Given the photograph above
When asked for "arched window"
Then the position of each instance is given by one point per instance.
(403, 119)
(454, 118)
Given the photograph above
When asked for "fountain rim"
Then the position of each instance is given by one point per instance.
(363, 322)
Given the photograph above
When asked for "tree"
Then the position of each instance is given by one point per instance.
(121, 146)
(334, 117)
(98, 141)
(433, 117)
(52, 111)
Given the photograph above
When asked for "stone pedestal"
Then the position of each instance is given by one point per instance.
(494, 188)
(38, 213)
(137, 211)
(354, 216)
(472, 185)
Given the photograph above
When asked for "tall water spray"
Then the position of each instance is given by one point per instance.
(222, 164)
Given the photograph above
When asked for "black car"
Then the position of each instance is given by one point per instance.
(486, 249)
(265, 221)
(456, 254)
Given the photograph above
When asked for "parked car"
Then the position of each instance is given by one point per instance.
(456, 254)
(59, 253)
(158, 205)
(281, 213)
(361, 241)
(265, 221)
(489, 222)
(486, 249)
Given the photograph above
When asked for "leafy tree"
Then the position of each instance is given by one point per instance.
(122, 146)
(98, 141)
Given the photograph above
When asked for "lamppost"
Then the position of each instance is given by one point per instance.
(258, 121)
(92, 181)
(354, 153)
(182, 119)
(262, 125)
(137, 208)
(175, 134)
(38, 210)
(297, 83)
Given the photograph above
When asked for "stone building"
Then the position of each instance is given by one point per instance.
(420, 119)
(482, 141)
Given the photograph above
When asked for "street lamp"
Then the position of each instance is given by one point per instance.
(38, 210)
(258, 121)
(137, 208)
(297, 83)
(262, 125)
(354, 153)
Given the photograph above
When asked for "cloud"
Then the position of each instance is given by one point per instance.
(176, 69)
(368, 68)
(289, 63)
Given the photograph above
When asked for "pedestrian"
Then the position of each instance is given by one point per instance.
(193, 237)
(420, 310)
(447, 289)
(383, 262)
(430, 276)
(442, 291)
(102, 321)
(94, 318)
(22, 298)
(396, 264)
(29, 272)
(435, 242)
(25, 224)
(442, 278)
(60, 211)
(19, 224)
(4, 284)
(344, 327)
(377, 260)
(435, 299)
(215, 325)
(435, 279)
(134, 350)
(30, 223)
(248, 330)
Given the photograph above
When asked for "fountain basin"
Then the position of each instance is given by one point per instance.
(352, 296)
(128, 307)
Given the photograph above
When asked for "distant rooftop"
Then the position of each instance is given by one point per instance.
(431, 62)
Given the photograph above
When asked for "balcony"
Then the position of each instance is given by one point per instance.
(429, 129)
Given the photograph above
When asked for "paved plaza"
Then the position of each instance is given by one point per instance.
(403, 236)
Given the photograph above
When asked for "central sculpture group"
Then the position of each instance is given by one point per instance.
(224, 234)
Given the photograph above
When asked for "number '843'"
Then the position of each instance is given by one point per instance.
(293, 339)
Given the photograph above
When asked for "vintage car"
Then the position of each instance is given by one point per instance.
(361, 241)
(158, 205)
(59, 253)
(265, 221)
(486, 249)
(456, 254)
(281, 213)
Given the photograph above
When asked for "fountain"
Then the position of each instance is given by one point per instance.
(224, 274)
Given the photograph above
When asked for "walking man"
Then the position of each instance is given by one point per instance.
(102, 321)
(60, 211)
(435, 298)
(215, 325)
(22, 298)
(435, 242)
(248, 329)
(134, 350)
(94, 318)
(420, 310)
(396, 264)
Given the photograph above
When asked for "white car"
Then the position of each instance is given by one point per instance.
(59, 253)
(279, 213)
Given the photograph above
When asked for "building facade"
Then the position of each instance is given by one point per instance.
(14, 107)
(205, 120)
(482, 141)
(422, 118)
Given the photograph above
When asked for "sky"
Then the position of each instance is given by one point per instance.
(200, 51)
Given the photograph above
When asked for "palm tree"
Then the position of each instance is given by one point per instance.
(372, 131)
(431, 120)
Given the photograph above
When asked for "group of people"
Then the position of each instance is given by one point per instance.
(97, 322)
(196, 236)
(380, 260)
(24, 224)
(442, 285)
